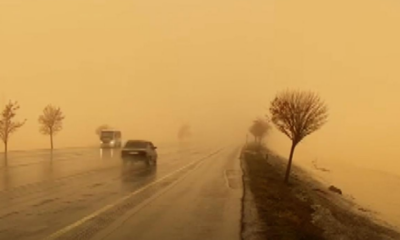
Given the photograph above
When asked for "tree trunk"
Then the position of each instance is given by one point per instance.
(5, 153)
(51, 141)
(289, 163)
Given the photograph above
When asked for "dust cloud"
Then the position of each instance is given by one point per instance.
(146, 67)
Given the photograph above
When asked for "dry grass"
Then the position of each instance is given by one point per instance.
(284, 215)
(297, 211)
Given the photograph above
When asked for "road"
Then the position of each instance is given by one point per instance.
(193, 193)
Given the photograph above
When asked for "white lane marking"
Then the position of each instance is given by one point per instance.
(233, 179)
(108, 207)
(122, 220)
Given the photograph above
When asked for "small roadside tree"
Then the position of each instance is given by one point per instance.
(184, 132)
(51, 122)
(297, 114)
(8, 125)
(259, 129)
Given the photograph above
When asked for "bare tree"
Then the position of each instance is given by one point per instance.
(8, 125)
(259, 129)
(101, 128)
(51, 122)
(297, 114)
(184, 132)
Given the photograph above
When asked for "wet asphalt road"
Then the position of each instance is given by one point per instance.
(193, 193)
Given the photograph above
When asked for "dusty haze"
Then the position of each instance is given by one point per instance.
(146, 67)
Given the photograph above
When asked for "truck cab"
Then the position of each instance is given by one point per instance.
(110, 139)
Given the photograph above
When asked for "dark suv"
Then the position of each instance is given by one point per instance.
(140, 150)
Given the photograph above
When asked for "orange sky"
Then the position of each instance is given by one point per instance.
(147, 66)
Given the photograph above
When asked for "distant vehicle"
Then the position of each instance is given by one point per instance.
(110, 138)
(140, 150)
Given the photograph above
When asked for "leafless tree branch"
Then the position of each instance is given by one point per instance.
(101, 128)
(51, 121)
(7, 123)
(298, 113)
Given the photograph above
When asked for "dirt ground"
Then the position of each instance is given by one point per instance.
(302, 210)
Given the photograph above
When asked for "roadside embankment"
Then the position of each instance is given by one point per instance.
(303, 210)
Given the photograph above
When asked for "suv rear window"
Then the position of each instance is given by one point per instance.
(136, 144)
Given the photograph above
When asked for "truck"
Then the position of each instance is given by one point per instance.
(110, 139)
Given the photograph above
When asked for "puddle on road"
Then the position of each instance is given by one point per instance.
(96, 185)
(9, 215)
(44, 202)
(87, 195)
